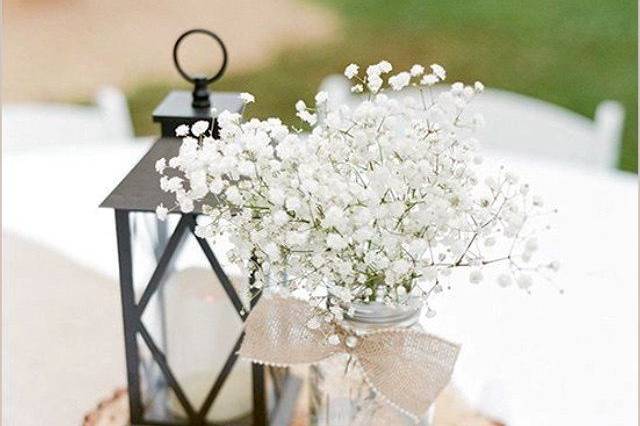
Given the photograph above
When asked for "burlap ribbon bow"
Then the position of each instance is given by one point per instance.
(407, 368)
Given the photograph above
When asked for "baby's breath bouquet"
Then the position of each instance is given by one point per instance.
(381, 201)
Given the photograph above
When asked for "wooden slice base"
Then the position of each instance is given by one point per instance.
(451, 411)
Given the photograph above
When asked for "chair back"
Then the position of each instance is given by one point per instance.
(29, 125)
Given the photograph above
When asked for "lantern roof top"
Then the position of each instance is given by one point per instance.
(177, 106)
(140, 189)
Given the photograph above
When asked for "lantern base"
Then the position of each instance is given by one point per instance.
(282, 398)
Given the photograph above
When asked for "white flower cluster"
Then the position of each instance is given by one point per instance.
(382, 201)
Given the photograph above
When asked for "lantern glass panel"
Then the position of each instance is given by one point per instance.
(157, 394)
(202, 329)
(192, 321)
(146, 247)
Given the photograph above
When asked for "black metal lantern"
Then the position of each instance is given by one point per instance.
(157, 394)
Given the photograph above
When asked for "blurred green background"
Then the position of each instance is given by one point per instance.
(574, 53)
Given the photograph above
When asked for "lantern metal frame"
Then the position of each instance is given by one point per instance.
(133, 312)
(139, 192)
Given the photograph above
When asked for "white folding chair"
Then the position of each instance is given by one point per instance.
(29, 125)
(529, 126)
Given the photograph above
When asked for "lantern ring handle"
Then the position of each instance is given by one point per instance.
(213, 35)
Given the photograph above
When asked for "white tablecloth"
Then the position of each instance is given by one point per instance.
(540, 359)
(51, 196)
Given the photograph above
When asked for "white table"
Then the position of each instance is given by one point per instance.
(51, 196)
(62, 331)
(542, 359)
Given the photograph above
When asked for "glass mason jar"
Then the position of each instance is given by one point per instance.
(339, 394)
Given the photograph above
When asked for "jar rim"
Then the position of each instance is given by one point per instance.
(381, 315)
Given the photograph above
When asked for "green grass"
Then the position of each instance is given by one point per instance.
(574, 53)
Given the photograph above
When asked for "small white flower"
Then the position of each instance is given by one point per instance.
(199, 127)
(357, 88)
(400, 81)
(457, 88)
(307, 117)
(173, 184)
(320, 291)
(351, 71)
(301, 106)
(385, 66)
(203, 231)
(293, 203)
(317, 261)
(216, 186)
(296, 238)
(334, 340)
(373, 70)
(334, 218)
(203, 221)
(276, 196)
(336, 242)
(321, 97)
(246, 168)
(337, 312)
(478, 86)
(247, 98)
(429, 80)
(280, 218)
(401, 266)
(374, 83)
(439, 71)
(416, 70)
(233, 195)
(162, 212)
(182, 130)
(175, 162)
(185, 203)
(161, 164)
(272, 250)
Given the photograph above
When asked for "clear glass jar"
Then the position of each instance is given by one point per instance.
(339, 395)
